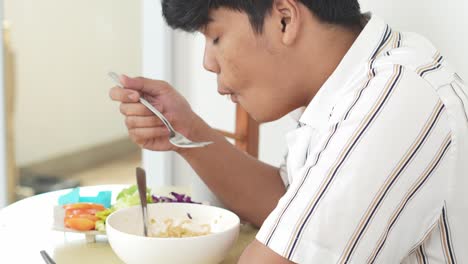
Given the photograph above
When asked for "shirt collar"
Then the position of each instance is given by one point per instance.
(317, 112)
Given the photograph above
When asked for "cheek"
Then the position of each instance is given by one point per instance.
(235, 71)
(266, 102)
(239, 61)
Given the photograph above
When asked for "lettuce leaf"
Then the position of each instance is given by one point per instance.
(130, 197)
(126, 198)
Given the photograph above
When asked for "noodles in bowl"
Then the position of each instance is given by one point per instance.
(177, 228)
(203, 233)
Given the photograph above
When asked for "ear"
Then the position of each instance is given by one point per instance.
(287, 13)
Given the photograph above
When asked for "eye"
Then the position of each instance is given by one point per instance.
(215, 41)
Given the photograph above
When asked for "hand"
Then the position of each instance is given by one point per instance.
(144, 128)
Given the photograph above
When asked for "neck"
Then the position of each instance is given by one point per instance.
(321, 62)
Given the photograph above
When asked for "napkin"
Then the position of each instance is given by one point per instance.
(103, 197)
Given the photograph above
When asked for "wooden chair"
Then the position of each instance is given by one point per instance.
(246, 132)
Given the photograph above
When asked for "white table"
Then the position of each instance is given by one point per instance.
(26, 229)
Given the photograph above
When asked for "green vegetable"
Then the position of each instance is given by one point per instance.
(102, 215)
(125, 192)
(126, 198)
(130, 197)
(100, 225)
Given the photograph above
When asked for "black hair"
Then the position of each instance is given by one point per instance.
(193, 15)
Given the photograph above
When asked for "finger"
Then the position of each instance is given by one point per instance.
(144, 85)
(124, 95)
(149, 143)
(142, 122)
(137, 109)
(140, 135)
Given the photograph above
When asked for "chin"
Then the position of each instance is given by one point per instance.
(261, 111)
(265, 116)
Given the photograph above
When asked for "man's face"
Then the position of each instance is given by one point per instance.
(254, 68)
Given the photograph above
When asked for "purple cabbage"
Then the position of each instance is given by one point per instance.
(178, 198)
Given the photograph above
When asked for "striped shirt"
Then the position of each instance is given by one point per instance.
(377, 170)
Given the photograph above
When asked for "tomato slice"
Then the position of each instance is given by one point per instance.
(80, 224)
(86, 216)
(98, 207)
(80, 211)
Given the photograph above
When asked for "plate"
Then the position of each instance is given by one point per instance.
(58, 225)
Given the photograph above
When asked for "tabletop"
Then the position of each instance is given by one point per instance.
(26, 229)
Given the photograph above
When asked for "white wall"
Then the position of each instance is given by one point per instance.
(157, 64)
(64, 49)
(443, 22)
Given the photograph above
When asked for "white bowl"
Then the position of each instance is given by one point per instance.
(125, 234)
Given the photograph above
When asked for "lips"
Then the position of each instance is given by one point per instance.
(234, 98)
(222, 90)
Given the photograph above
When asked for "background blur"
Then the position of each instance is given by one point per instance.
(61, 128)
(59, 53)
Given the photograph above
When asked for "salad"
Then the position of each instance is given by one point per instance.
(88, 216)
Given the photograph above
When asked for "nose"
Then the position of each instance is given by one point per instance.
(209, 59)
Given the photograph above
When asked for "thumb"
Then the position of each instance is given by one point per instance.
(144, 85)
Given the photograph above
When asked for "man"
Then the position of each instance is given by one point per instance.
(376, 169)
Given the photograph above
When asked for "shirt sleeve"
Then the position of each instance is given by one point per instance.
(283, 171)
(374, 185)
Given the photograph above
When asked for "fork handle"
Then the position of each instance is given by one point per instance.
(158, 114)
(46, 257)
(115, 77)
(141, 183)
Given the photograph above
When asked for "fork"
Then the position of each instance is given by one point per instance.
(175, 137)
(141, 183)
(46, 257)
